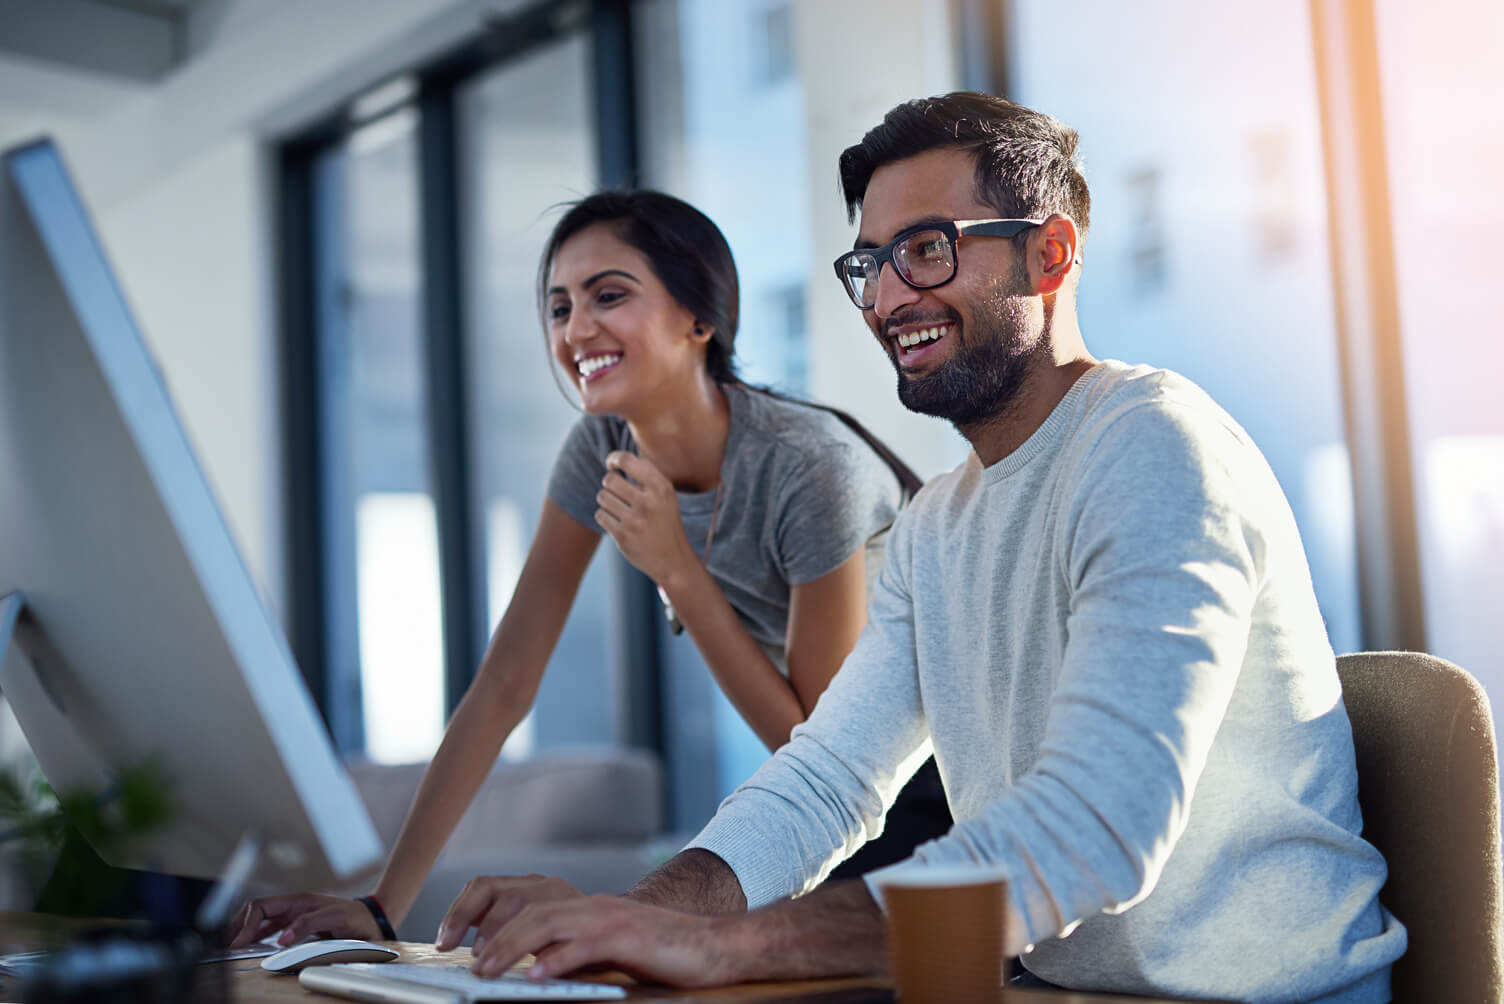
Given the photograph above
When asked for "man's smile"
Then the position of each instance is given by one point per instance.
(913, 343)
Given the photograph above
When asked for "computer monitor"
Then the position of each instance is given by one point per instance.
(130, 627)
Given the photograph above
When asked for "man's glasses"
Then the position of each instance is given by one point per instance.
(924, 256)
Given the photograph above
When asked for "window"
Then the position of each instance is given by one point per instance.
(771, 44)
(736, 169)
(527, 146)
(422, 419)
(1208, 245)
(386, 649)
(1441, 80)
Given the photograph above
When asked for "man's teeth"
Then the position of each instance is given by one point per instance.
(589, 366)
(913, 338)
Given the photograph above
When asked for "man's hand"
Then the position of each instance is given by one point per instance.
(489, 902)
(300, 916)
(651, 943)
(638, 508)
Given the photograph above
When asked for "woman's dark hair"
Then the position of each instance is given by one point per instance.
(687, 252)
(690, 256)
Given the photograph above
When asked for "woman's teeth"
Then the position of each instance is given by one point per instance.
(589, 366)
(913, 338)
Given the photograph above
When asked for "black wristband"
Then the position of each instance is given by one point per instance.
(379, 916)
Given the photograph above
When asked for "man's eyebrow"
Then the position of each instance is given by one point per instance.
(923, 221)
(597, 277)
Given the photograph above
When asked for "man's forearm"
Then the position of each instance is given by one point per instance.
(692, 881)
(837, 930)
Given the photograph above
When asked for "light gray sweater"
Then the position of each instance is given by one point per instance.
(1111, 638)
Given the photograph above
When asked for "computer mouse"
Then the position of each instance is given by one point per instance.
(323, 953)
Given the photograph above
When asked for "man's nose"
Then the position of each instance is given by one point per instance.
(892, 292)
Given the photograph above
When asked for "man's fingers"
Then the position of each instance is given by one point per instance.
(571, 955)
(467, 908)
(471, 906)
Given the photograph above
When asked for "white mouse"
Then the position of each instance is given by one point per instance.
(323, 953)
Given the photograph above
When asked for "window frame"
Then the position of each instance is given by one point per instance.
(304, 428)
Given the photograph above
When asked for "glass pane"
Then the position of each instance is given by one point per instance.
(1208, 245)
(386, 647)
(746, 171)
(527, 144)
(1442, 80)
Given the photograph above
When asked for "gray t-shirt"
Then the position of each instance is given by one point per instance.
(802, 494)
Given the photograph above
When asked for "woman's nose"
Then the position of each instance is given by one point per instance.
(578, 329)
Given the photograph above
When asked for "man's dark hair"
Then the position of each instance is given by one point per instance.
(1026, 160)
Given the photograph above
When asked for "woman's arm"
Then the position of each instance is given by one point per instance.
(825, 615)
(502, 692)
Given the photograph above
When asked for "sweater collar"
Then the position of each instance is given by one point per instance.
(1050, 431)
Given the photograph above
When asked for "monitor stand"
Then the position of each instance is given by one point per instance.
(24, 654)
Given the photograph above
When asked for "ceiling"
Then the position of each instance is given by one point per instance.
(137, 41)
(80, 61)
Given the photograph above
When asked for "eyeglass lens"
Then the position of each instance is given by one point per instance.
(924, 259)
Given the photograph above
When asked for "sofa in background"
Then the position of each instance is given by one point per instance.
(592, 816)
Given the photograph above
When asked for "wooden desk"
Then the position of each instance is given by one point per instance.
(253, 985)
(250, 984)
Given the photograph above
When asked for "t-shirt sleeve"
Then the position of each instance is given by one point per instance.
(829, 506)
(579, 468)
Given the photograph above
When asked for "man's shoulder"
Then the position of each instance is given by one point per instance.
(1129, 398)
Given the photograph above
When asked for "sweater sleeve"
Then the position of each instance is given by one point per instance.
(1161, 549)
(824, 793)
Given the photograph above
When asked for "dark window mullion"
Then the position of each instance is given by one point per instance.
(301, 430)
(444, 346)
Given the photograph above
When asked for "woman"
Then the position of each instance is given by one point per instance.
(759, 518)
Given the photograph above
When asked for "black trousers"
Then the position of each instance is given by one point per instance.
(919, 814)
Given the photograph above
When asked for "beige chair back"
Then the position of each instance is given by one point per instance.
(1428, 784)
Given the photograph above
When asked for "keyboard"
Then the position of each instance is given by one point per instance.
(404, 982)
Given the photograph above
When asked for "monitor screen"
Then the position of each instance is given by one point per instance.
(136, 629)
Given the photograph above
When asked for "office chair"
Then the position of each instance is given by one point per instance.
(1428, 785)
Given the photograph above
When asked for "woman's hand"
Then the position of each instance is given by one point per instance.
(638, 508)
(487, 903)
(303, 915)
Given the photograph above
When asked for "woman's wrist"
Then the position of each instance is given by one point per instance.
(685, 577)
(378, 914)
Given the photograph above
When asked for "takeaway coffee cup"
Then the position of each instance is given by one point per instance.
(945, 934)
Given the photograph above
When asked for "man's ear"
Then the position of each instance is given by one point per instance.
(1052, 253)
(702, 332)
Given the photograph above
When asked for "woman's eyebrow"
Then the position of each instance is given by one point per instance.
(597, 277)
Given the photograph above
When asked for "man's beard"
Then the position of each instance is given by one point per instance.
(987, 368)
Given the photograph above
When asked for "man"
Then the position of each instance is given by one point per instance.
(1103, 621)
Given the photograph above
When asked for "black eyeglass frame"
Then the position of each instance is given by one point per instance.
(952, 229)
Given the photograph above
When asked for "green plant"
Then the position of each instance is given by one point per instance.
(39, 827)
